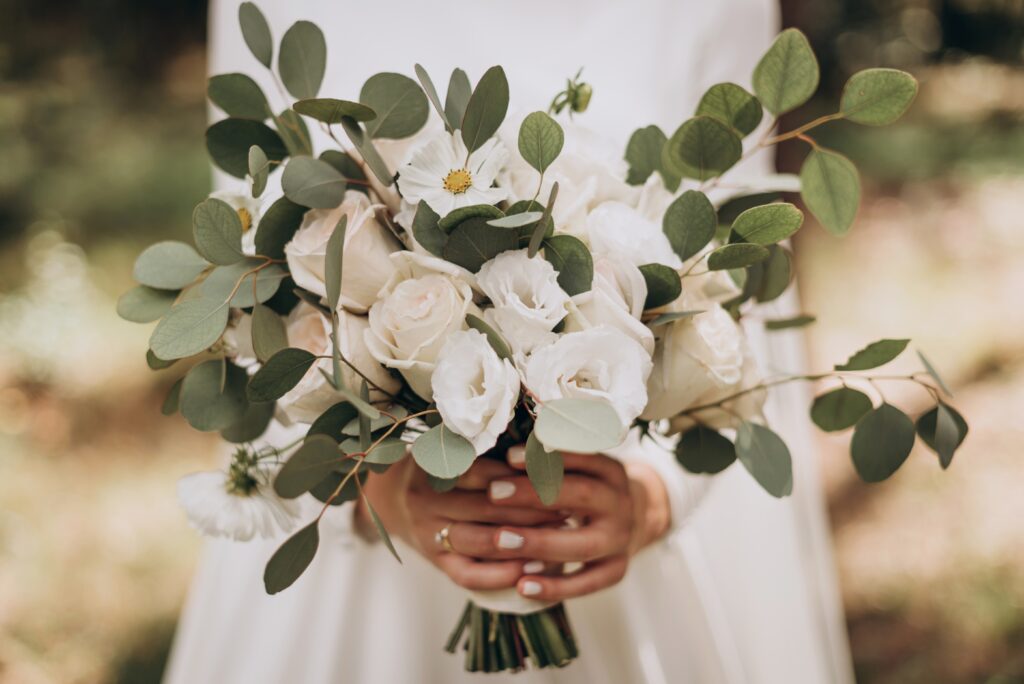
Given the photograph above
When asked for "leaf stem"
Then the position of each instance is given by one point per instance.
(796, 132)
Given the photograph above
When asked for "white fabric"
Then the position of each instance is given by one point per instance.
(743, 591)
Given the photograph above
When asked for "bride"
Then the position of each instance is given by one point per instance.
(692, 580)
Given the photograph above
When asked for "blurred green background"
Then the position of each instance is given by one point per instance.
(101, 125)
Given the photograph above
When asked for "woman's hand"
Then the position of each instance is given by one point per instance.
(411, 510)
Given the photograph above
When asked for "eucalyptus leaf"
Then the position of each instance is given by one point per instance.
(190, 327)
(768, 224)
(881, 442)
(457, 97)
(243, 283)
(313, 183)
(252, 425)
(259, 169)
(143, 304)
(663, 285)
(333, 263)
(578, 425)
(930, 369)
(381, 530)
(239, 96)
(228, 142)
(572, 260)
(269, 334)
(294, 133)
(364, 145)
(732, 105)
(526, 218)
(401, 106)
(840, 409)
(431, 92)
(540, 140)
(737, 255)
(168, 265)
(302, 60)
(279, 374)
(545, 470)
(672, 317)
(787, 75)
(217, 231)
(787, 323)
(442, 484)
(457, 216)
(643, 153)
(766, 457)
(545, 226)
(776, 274)
(173, 399)
(943, 429)
(486, 109)
(497, 343)
(830, 187)
(156, 363)
(332, 111)
(312, 462)
(388, 452)
(291, 559)
(442, 453)
(213, 395)
(327, 491)
(874, 355)
(877, 97)
(689, 223)
(332, 421)
(703, 148)
(473, 243)
(426, 231)
(703, 450)
(256, 33)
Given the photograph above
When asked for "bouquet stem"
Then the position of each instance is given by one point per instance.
(495, 642)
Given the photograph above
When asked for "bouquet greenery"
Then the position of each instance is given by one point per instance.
(446, 288)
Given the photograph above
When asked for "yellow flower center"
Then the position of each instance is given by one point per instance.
(458, 181)
(246, 218)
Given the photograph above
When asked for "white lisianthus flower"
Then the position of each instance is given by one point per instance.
(309, 329)
(614, 228)
(528, 301)
(421, 306)
(248, 209)
(238, 504)
(694, 357)
(616, 298)
(597, 363)
(368, 246)
(747, 406)
(445, 176)
(475, 390)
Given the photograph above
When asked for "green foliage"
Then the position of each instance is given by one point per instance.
(768, 224)
(881, 442)
(245, 282)
(402, 108)
(457, 216)
(578, 425)
(689, 223)
(520, 220)
(486, 108)
(457, 97)
(877, 97)
(252, 425)
(787, 323)
(190, 327)
(277, 227)
(663, 285)
(213, 395)
(930, 369)
(787, 75)
(168, 265)
(228, 142)
(643, 152)
(472, 243)
(442, 453)
(256, 33)
(540, 140)
(173, 399)
(774, 274)
(313, 183)
(545, 470)
(364, 145)
(874, 355)
(294, 133)
(302, 60)
(737, 255)
(331, 111)
(259, 169)
(332, 421)
(381, 531)
(269, 334)
(279, 374)
(426, 231)
(217, 231)
(291, 559)
(766, 457)
(839, 409)
(573, 261)
(703, 450)
(308, 466)
(333, 263)
(498, 344)
(702, 148)
(732, 105)
(239, 96)
(545, 226)
(431, 92)
(943, 429)
(672, 317)
(143, 304)
(830, 187)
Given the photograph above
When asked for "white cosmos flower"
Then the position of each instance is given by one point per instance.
(475, 390)
(239, 504)
(528, 301)
(443, 175)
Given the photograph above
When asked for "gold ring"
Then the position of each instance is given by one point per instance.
(441, 537)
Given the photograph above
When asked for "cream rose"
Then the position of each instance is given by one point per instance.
(425, 301)
(528, 301)
(616, 299)
(614, 228)
(309, 329)
(748, 406)
(597, 363)
(368, 246)
(475, 390)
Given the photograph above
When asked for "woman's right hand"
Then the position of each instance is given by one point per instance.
(411, 510)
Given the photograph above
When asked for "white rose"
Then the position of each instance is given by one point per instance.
(248, 209)
(368, 246)
(748, 406)
(694, 357)
(616, 299)
(475, 390)
(309, 329)
(598, 363)
(425, 301)
(528, 301)
(614, 228)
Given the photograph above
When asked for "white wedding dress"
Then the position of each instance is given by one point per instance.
(742, 591)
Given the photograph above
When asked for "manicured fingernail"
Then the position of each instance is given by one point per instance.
(517, 455)
(533, 567)
(510, 540)
(530, 588)
(502, 489)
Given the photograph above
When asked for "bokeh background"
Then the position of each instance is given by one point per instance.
(101, 121)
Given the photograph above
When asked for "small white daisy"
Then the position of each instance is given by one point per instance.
(238, 504)
(443, 175)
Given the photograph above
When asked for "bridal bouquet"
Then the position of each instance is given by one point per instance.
(443, 283)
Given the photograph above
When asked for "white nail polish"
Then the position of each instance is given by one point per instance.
(510, 540)
(533, 567)
(530, 588)
(501, 489)
(517, 455)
